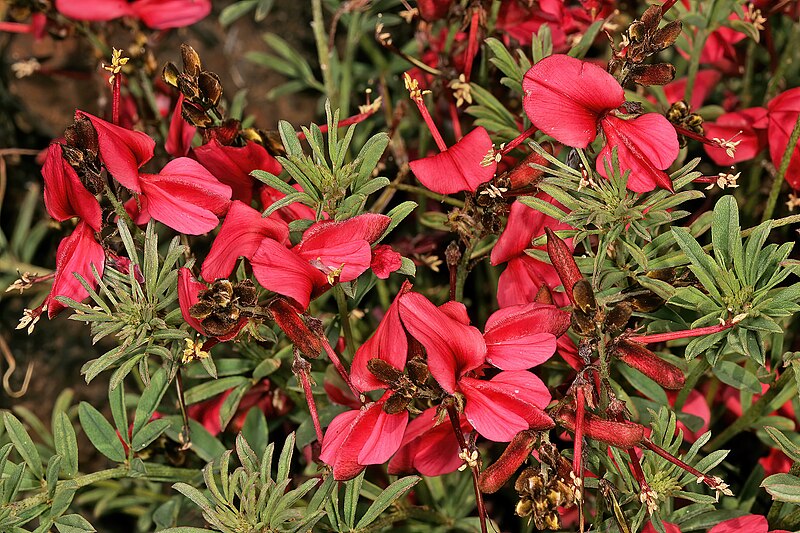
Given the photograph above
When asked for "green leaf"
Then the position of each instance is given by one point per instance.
(73, 523)
(397, 214)
(149, 433)
(369, 155)
(582, 47)
(236, 11)
(100, 433)
(387, 498)
(23, 443)
(543, 207)
(783, 487)
(736, 376)
(273, 181)
(116, 398)
(209, 389)
(66, 444)
(150, 399)
(725, 231)
(702, 266)
(255, 430)
(352, 489)
(195, 495)
(787, 446)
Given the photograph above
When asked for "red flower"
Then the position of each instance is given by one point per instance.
(183, 196)
(295, 211)
(181, 133)
(498, 408)
(123, 151)
(524, 276)
(522, 22)
(704, 83)
(429, 446)
(458, 168)
(232, 165)
(64, 194)
(385, 261)
(362, 437)
(745, 524)
(783, 113)
(568, 99)
(329, 252)
(76, 254)
(156, 14)
(746, 127)
(669, 527)
(240, 236)
(432, 10)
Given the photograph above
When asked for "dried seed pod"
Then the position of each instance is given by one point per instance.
(418, 371)
(191, 60)
(583, 324)
(517, 451)
(544, 296)
(210, 86)
(285, 315)
(617, 317)
(245, 293)
(636, 31)
(396, 403)
(170, 74)
(658, 74)
(583, 295)
(662, 274)
(666, 36)
(636, 356)
(651, 17)
(383, 370)
(646, 303)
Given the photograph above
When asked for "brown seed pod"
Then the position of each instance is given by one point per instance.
(617, 317)
(658, 74)
(583, 294)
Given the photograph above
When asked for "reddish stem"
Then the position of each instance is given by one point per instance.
(349, 121)
(15, 27)
(683, 334)
(472, 44)
(692, 135)
(462, 443)
(518, 140)
(580, 415)
(301, 369)
(115, 97)
(666, 6)
(710, 481)
(337, 364)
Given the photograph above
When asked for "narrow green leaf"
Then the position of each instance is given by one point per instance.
(783, 487)
(66, 444)
(73, 523)
(147, 434)
(100, 433)
(387, 498)
(23, 443)
(736, 376)
(150, 400)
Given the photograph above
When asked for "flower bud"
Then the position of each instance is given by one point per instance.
(658, 74)
(637, 356)
(584, 296)
(517, 451)
(616, 433)
(290, 322)
(563, 262)
(617, 317)
(666, 36)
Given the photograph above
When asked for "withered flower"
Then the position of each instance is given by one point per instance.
(223, 305)
(201, 88)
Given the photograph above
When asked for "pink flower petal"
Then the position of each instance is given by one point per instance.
(566, 97)
(284, 272)
(749, 523)
(232, 165)
(499, 410)
(523, 277)
(645, 145)
(188, 287)
(64, 194)
(453, 348)
(460, 167)
(783, 112)
(385, 261)
(524, 223)
(185, 196)
(704, 84)
(740, 126)
(179, 138)
(428, 448)
(94, 10)
(384, 439)
(240, 236)
(75, 255)
(388, 343)
(344, 245)
(521, 337)
(165, 14)
(123, 151)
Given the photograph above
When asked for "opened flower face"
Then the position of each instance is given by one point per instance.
(570, 100)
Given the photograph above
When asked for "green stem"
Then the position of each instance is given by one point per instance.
(462, 272)
(779, 178)
(425, 192)
(344, 318)
(77, 483)
(694, 65)
(752, 414)
(691, 380)
(324, 55)
(605, 371)
(749, 70)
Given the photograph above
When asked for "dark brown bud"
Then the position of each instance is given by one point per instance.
(245, 293)
(517, 451)
(646, 303)
(617, 317)
(195, 115)
(636, 31)
(285, 315)
(170, 74)
(666, 36)
(651, 17)
(636, 356)
(396, 403)
(418, 371)
(217, 324)
(383, 370)
(583, 324)
(584, 296)
(544, 296)
(210, 86)
(658, 74)
(662, 274)
(201, 310)
(191, 61)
